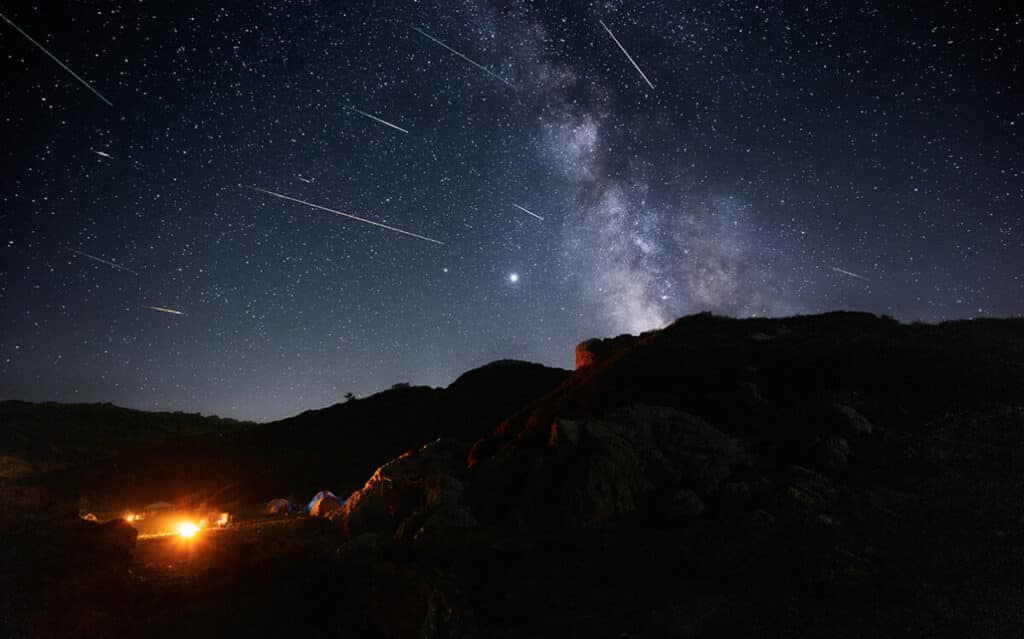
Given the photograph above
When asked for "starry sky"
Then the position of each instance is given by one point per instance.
(523, 176)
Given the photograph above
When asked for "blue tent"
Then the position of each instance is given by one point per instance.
(278, 507)
(317, 498)
(324, 499)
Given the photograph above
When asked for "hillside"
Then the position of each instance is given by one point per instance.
(334, 447)
(838, 475)
(37, 437)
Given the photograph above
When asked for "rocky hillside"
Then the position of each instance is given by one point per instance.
(836, 475)
(839, 475)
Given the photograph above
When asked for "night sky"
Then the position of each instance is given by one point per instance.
(791, 158)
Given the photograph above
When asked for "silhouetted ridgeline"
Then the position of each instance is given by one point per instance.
(48, 435)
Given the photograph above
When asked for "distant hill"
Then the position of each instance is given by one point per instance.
(43, 436)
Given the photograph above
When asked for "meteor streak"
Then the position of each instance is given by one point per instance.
(373, 117)
(845, 272)
(163, 310)
(103, 154)
(54, 58)
(348, 215)
(102, 261)
(464, 57)
(628, 57)
(527, 211)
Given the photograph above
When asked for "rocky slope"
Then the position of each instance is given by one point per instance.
(836, 475)
(839, 475)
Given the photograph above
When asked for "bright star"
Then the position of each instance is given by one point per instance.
(513, 278)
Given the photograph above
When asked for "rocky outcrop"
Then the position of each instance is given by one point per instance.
(849, 421)
(415, 497)
(592, 351)
(592, 471)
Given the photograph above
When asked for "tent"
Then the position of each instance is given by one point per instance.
(278, 507)
(324, 502)
(158, 505)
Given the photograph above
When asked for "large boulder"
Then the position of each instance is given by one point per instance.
(413, 497)
(592, 351)
(848, 420)
(602, 471)
(596, 470)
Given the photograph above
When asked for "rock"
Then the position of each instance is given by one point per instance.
(587, 352)
(835, 453)
(447, 617)
(600, 470)
(592, 471)
(850, 421)
(744, 494)
(686, 614)
(442, 521)
(824, 521)
(403, 494)
(846, 569)
(565, 435)
(441, 513)
(592, 351)
(603, 473)
(810, 493)
(366, 542)
(749, 395)
(686, 504)
(691, 451)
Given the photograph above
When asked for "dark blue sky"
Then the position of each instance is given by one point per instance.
(791, 158)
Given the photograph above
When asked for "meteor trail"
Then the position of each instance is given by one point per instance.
(348, 215)
(527, 211)
(103, 154)
(845, 272)
(464, 57)
(102, 261)
(54, 58)
(163, 310)
(373, 117)
(628, 57)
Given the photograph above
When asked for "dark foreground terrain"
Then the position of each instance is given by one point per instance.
(839, 475)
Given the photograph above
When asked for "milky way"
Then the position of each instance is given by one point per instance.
(521, 176)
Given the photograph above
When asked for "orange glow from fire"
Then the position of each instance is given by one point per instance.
(187, 529)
